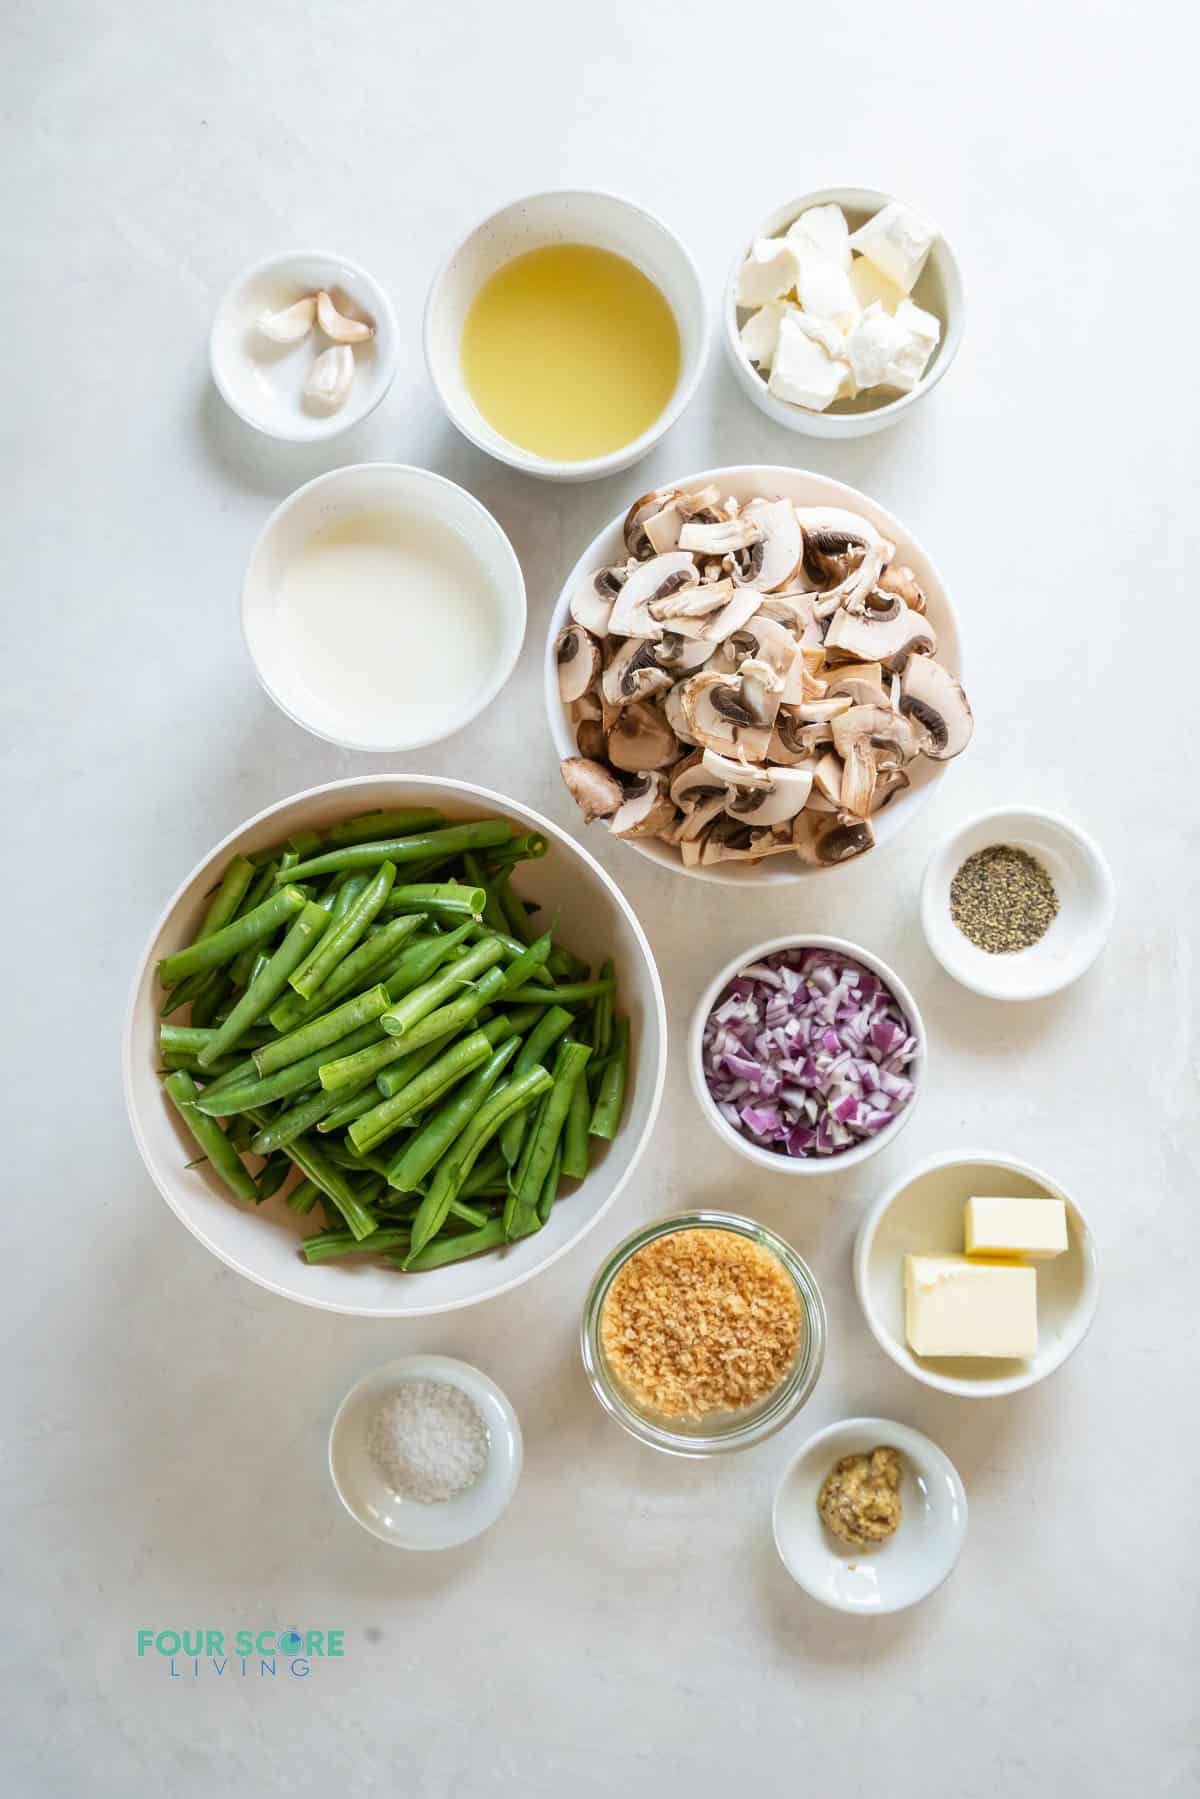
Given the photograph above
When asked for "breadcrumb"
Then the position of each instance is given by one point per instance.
(701, 1321)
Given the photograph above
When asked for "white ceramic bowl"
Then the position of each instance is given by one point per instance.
(1086, 902)
(939, 290)
(753, 1152)
(922, 1214)
(394, 489)
(913, 1563)
(803, 489)
(407, 1523)
(263, 1242)
(571, 216)
(264, 382)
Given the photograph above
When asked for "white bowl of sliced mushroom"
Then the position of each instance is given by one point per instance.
(753, 674)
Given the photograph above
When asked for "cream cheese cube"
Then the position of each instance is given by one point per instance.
(954, 1306)
(921, 333)
(824, 229)
(1036, 1228)
(769, 272)
(825, 291)
(760, 334)
(898, 241)
(870, 286)
(873, 343)
(803, 372)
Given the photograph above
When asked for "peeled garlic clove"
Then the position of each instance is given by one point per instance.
(336, 325)
(291, 325)
(330, 377)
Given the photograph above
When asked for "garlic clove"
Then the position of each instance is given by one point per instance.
(336, 325)
(291, 325)
(330, 377)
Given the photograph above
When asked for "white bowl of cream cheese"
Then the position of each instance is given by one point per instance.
(383, 607)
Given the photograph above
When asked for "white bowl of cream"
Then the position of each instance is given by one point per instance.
(383, 607)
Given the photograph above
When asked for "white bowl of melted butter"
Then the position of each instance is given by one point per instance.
(383, 607)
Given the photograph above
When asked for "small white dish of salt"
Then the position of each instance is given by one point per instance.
(425, 1452)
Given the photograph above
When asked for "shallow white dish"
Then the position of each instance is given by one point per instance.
(1086, 902)
(939, 290)
(753, 1152)
(366, 488)
(264, 382)
(922, 1214)
(263, 1242)
(562, 216)
(407, 1523)
(915, 1560)
(803, 488)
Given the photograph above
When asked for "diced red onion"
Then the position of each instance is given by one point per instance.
(807, 1053)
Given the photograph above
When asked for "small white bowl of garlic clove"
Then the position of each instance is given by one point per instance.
(844, 308)
(303, 346)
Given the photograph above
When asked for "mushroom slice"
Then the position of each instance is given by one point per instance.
(592, 601)
(774, 559)
(681, 655)
(861, 682)
(674, 714)
(715, 627)
(792, 610)
(760, 796)
(931, 696)
(869, 738)
(902, 581)
(827, 777)
(794, 741)
(647, 808)
(703, 503)
(590, 739)
(633, 674)
(578, 656)
(656, 579)
(823, 711)
(698, 602)
(634, 529)
(691, 781)
(595, 790)
(835, 543)
(823, 839)
(662, 529)
(887, 635)
(719, 717)
(721, 538)
(641, 739)
(732, 840)
(888, 782)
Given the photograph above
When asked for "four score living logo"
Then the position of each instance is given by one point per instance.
(240, 1654)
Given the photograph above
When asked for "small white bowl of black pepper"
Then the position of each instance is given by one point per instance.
(1017, 903)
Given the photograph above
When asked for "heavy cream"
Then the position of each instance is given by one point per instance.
(391, 625)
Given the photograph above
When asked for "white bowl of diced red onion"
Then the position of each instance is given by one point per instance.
(807, 1054)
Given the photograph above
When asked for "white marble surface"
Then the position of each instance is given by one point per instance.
(626, 1628)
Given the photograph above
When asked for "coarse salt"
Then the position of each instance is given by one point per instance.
(429, 1441)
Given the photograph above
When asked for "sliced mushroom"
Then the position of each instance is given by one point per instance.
(823, 711)
(731, 840)
(634, 530)
(641, 739)
(704, 503)
(720, 715)
(578, 656)
(827, 777)
(861, 682)
(823, 839)
(888, 637)
(720, 538)
(633, 674)
(675, 715)
(593, 599)
(794, 741)
(931, 696)
(759, 796)
(715, 627)
(699, 602)
(889, 781)
(774, 559)
(646, 809)
(595, 790)
(590, 738)
(869, 738)
(656, 579)
(681, 655)
(662, 529)
(835, 543)
(903, 582)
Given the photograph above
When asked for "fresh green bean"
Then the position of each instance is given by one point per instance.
(186, 1037)
(314, 1163)
(422, 960)
(544, 1034)
(271, 1177)
(453, 1249)
(348, 1111)
(602, 1015)
(513, 908)
(391, 1079)
(521, 1215)
(321, 1034)
(577, 994)
(303, 1196)
(450, 1019)
(443, 1127)
(528, 848)
(493, 917)
(226, 1097)
(304, 842)
(243, 968)
(226, 897)
(374, 959)
(223, 1158)
(460, 1157)
(427, 998)
(512, 946)
(326, 1244)
(345, 889)
(213, 992)
(480, 833)
(445, 1071)
(575, 1147)
(365, 1065)
(373, 825)
(346, 932)
(610, 1101)
(440, 899)
(223, 945)
(566, 967)
(266, 986)
(170, 1059)
(292, 1123)
(488, 1175)
(549, 1191)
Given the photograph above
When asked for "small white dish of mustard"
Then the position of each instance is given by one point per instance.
(870, 1517)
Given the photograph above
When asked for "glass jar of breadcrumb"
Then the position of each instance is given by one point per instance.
(703, 1333)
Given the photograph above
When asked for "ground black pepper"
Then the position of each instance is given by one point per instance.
(1002, 899)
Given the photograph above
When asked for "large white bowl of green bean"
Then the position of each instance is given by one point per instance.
(394, 1046)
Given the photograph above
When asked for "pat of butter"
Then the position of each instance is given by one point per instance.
(823, 229)
(872, 287)
(1015, 1227)
(760, 334)
(802, 371)
(898, 241)
(769, 272)
(956, 1306)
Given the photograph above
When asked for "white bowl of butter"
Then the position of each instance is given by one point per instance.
(383, 607)
(989, 1293)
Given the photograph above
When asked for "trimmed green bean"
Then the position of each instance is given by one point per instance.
(223, 1158)
(303, 1196)
(521, 1214)
(513, 908)
(392, 1079)
(610, 1101)
(313, 1163)
(293, 1123)
(270, 1178)
(345, 933)
(576, 994)
(227, 896)
(488, 1175)
(460, 1158)
(440, 899)
(188, 1037)
(429, 996)
(461, 1012)
(602, 1014)
(348, 1111)
(445, 1071)
(322, 1034)
(373, 825)
(266, 986)
(453, 1249)
(576, 1150)
(223, 945)
(226, 1097)
(544, 1034)
(327, 1244)
(375, 959)
(170, 1059)
(549, 1191)
(492, 915)
(415, 1160)
(482, 833)
(528, 848)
